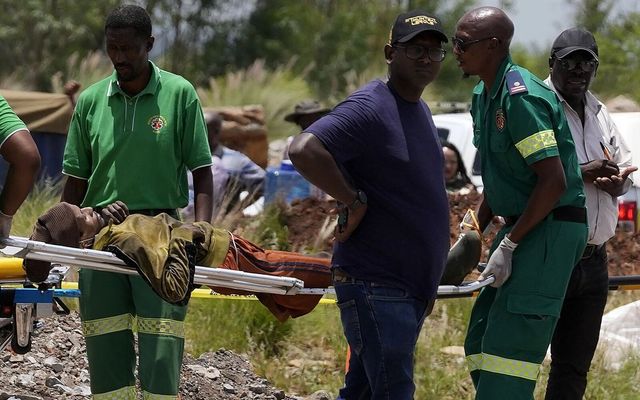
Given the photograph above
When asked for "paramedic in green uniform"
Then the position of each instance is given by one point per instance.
(20, 152)
(531, 178)
(132, 138)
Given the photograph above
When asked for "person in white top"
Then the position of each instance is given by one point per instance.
(605, 161)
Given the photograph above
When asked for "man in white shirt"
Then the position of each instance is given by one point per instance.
(605, 161)
(233, 173)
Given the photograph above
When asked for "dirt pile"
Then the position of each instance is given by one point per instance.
(310, 224)
(56, 368)
(305, 218)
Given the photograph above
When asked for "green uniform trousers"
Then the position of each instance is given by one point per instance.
(112, 307)
(511, 327)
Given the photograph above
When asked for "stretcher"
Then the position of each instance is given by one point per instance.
(106, 261)
(20, 307)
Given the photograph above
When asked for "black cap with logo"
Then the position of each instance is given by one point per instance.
(574, 39)
(409, 25)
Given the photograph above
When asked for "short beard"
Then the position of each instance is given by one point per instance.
(127, 78)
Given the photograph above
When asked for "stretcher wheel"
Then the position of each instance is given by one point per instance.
(16, 347)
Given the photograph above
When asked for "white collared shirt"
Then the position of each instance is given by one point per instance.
(598, 130)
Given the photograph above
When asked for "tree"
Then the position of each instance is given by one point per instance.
(329, 41)
(38, 36)
(619, 50)
(592, 14)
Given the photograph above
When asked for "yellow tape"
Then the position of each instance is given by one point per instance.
(206, 294)
(627, 287)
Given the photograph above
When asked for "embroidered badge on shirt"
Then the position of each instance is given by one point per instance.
(500, 120)
(515, 83)
(157, 122)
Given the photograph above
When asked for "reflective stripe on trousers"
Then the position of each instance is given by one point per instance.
(151, 326)
(504, 366)
(125, 393)
(129, 393)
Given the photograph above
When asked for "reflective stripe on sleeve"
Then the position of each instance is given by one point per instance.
(536, 142)
(103, 326)
(504, 366)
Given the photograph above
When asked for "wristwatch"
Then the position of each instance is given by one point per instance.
(361, 199)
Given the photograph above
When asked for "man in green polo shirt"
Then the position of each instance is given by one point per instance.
(20, 152)
(132, 138)
(531, 178)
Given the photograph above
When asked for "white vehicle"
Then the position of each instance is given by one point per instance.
(628, 124)
(457, 128)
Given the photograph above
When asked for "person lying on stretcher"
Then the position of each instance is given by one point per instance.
(165, 252)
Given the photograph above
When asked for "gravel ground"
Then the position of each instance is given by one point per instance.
(56, 368)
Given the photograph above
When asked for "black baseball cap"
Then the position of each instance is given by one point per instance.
(574, 39)
(409, 25)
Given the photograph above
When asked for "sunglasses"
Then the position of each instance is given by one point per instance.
(463, 45)
(585, 65)
(416, 52)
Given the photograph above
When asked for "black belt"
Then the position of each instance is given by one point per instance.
(591, 250)
(564, 213)
(155, 211)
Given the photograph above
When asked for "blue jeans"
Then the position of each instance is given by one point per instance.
(381, 324)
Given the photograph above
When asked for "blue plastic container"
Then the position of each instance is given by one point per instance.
(285, 182)
(51, 148)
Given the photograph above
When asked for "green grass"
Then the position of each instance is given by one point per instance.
(308, 353)
(44, 195)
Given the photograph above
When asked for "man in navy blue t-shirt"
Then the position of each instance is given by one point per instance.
(379, 155)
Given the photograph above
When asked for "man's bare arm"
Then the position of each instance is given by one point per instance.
(74, 190)
(203, 193)
(21, 152)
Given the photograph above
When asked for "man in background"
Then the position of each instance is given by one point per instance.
(233, 171)
(304, 114)
(605, 163)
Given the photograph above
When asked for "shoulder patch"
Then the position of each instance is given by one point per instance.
(515, 83)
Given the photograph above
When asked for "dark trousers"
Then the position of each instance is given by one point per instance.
(576, 335)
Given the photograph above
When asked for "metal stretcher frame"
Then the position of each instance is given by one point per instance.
(105, 261)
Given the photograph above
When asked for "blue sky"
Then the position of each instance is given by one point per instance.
(538, 22)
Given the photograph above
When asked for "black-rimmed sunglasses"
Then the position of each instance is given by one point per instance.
(463, 45)
(416, 52)
(585, 65)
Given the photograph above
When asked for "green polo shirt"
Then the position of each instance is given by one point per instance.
(137, 149)
(9, 121)
(516, 124)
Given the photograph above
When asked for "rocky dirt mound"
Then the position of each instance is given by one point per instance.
(623, 249)
(310, 224)
(306, 217)
(56, 368)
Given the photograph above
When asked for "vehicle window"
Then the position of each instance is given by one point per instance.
(443, 133)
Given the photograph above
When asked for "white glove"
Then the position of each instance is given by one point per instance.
(500, 263)
(5, 226)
